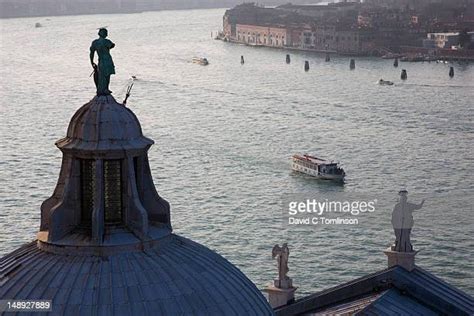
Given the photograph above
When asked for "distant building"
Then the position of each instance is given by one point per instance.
(429, 43)
(443, 40)
(346, 27)
(363, 20)
(321, 11)
(329, 38)
(405, 4)
(262, 35)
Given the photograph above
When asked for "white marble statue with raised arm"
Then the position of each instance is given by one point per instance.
(281, 254)
(402, 221)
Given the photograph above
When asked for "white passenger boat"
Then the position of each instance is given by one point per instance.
(201, 61)
(317, 167)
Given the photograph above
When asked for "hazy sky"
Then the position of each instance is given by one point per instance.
(19, 8)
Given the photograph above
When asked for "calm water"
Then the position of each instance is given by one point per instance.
(224, 134)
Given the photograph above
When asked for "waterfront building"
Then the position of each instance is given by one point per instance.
(444, 40)
(332, 38)
(331, 28)
(249, 14)
(261, 21)
(262, 35)
(320, 11)
(367, 28)
(409, 4)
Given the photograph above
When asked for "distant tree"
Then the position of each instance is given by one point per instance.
(464, 39)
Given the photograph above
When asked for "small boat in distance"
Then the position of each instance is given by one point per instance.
(385, 82)
(390, 55)
(418, 58)
(201, 61)
(38, 24)
(317, 167)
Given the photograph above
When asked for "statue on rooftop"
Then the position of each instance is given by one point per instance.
(106, 67)
(281, 254)
(402, 221)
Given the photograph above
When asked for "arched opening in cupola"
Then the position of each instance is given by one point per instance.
(112, 190)
(87, 190)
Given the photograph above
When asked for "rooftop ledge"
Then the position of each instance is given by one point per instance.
(118, 240)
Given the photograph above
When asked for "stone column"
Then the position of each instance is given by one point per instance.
(65, 215)
(98, 222)
(137, 216)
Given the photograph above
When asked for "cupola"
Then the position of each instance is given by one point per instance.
(105, 185)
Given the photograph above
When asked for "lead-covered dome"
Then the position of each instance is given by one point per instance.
(103, 124)
(177, 277)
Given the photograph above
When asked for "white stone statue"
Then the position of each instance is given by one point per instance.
(281, 254)
(402, 221)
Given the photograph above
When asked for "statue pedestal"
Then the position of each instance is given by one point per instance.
(286, 283)
(280, 297)
(405, 260)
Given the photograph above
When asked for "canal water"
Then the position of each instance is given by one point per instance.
(224, 134)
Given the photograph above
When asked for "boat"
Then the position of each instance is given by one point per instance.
(38, 24)
(392, 56)
(385, 82)
(415, 58)
(418, 58)
(201, 61)
(317, 167)
(430, 58)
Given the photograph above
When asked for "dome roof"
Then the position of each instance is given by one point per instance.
(105, 245)
(179, 277)
(103, 124)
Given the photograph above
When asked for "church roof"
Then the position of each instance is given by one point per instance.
(180, 277)
(105, 245)
(393, 291)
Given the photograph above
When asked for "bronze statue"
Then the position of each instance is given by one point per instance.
(106, 67)
(402, 221)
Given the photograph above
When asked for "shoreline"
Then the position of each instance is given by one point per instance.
(309, 50)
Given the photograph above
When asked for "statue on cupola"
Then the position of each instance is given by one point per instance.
(106, 67)
(105, 196)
